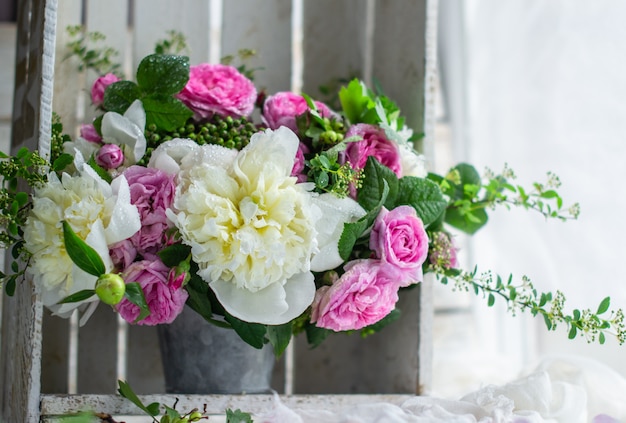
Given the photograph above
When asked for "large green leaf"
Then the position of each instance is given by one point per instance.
(279, 336)
(375, 176)
(199, 300)
(172, 255)
(167, 113)
(163, 74)
(251, 333)
(134, 294)
(85, 257)
(424, 196)
(354, 101)
(468, 223)
(120, 95)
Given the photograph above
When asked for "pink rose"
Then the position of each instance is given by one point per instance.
(122, 254)
(282, 108)
(376, 144)
(99, 86)
(218, 89)
(152, 192)
(88, 132)
(110, 156)
(362, 296)
(165, 300)
(399, 239)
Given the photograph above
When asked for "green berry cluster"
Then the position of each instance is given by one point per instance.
(57, 138)
(227, 132)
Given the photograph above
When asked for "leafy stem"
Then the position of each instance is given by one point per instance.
(523, 296)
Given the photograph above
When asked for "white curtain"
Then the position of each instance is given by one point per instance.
(544, 89)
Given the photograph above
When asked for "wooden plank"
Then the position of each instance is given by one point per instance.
(68, 84)
(153, 18)
(264, 26)
(32, 112)
(144, 366)
(7, 69)
(97, 353)
(335, 42)
(55, 354)
(54, 405)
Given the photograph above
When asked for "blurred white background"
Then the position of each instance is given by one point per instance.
(540, 85)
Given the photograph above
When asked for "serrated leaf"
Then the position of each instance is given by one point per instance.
(604, 305)
(279, 336)
(251, 333)
(85, 257)
(238, 416)
(135, 295)
(78, 296)
(424, 196)
(167, 113)
(372, 193)
(163, 74)
(120, 95)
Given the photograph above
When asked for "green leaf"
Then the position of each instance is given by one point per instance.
(424, 196)
(134, 294)
(171, 413)
(252, 333)
(167, 113)
(354, 100)
(99, 170)
(279, 336)
(9, 286)
(604, 305)
(491, 301)
(163, 74)
(199, 299)
(572, 332)
(85, 257)
(238, 416)
(601, 338)
(172, 255)
(78, 296)
(371, 193)
(388, 319)
(126, 391)
(455, 217)
(120, 95)
(315, 335)
(62, 162)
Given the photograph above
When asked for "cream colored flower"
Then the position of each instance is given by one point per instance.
(252, 228)
(99, 213)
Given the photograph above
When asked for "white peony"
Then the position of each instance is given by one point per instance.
(252, 228)
(99, 213)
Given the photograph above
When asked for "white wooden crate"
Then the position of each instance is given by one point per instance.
(47, 367)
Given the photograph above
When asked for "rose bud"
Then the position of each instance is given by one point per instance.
(110, 156)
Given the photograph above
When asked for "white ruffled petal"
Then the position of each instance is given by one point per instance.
(336, 212)
(274, 305)
(125, 220)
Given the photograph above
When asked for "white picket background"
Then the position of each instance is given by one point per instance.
(301, 45)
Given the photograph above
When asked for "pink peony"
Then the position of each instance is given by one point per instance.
(88, 132)
(399, 239)
(298, 164)
(123, 253)
(218, 89)
(152, 192)
(362, 296)
(99, 86)
(282, 108)
(165, 299)
(376, 144)
(110, 156)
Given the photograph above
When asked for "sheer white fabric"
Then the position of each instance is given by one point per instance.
(544, 89)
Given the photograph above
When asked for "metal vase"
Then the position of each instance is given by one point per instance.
(201, 358)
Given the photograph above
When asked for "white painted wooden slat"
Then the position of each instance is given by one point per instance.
(32, 112)
(335, 41)
(54, 405)
(264, 26)
(153, 18)
(7, 69)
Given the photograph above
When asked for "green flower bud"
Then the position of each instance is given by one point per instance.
(110, 288)
(195, 416)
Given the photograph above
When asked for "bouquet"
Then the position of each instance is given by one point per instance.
(311, 218)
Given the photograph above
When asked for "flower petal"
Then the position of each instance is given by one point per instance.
(336, 212)
(274, 305)
(125, 220)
